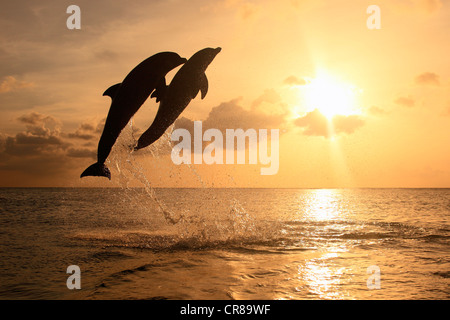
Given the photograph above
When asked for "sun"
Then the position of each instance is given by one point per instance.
(330, 96)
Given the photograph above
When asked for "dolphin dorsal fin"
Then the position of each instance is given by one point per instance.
(203, 85)
(111, 91)
(160, 90)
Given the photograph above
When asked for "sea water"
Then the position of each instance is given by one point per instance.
(206, 243)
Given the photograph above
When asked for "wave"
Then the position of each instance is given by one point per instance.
(362, 230)
(443, 274)
(160, 242)
(259, 236)
(103, 255)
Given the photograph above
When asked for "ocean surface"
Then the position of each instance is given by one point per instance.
(225, 243)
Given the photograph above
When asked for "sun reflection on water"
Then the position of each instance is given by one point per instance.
(323, 275)
(323, 204)
(321, 278)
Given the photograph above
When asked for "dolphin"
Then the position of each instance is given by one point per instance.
(127, 97)
(184, 87)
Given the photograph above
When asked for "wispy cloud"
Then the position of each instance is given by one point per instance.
(36, 119)
(269, 96)
(81, 153)
(429, 5)
(405, 101)
(428, 78)
(374, 110)
(12, 84)
(295, 81)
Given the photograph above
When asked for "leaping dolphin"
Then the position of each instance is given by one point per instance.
(184, 87)
(127, 97)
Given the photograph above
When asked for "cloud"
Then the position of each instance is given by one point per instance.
(421, 6)
(374, 110)
(314, 123)
(247, 10)
(35, 38)
(88, 130)
(231, 115)
(36, 118)
(428, 78)
(12, 84)
(346, 124)
(269, 96)
(26, 144)
(40, 129)
(26, 97)
(17, 94)
(405, 101)
(294, 81)
(429, 5)
(45, 166)
(45, 20)
(244, 9)
(42, 136)
(82, 153)
(106, 54)
(42, 149)
(80, 135)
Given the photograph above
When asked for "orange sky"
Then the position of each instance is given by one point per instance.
(275, 55)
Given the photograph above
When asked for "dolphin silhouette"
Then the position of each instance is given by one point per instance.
(127, 97)
(184, 87)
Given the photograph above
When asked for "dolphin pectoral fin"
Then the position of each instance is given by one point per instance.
(111, 91)
(97, 170)
(160, 90)
(203, 85)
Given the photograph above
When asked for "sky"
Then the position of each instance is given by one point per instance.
(355, 107)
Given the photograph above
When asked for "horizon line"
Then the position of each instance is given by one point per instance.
(296, 188)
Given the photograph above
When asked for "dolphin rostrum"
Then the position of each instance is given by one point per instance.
(184, 87)
(127, 97)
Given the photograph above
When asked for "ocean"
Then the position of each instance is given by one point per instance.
(134, 243)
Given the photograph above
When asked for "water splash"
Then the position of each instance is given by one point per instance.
(220, 220)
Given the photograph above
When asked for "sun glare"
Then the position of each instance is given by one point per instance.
(330, 96)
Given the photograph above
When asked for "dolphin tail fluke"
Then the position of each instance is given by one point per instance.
(97, 170)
